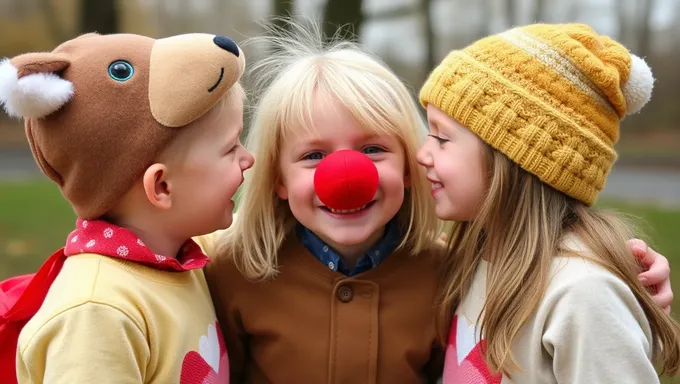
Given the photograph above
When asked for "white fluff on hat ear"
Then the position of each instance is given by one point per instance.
(36, 95)
(638, 90)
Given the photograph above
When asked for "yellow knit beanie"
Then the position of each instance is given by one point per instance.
(550, 97)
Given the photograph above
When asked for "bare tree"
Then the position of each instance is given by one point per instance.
(539, 10)
(99, 16)
(430, 59)
(343, 13)
(54, 25)
(644, 34)
(511, 12)
(282, 8)
(624, 25)
(485, 29)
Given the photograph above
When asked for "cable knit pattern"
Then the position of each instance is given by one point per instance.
(550, 97)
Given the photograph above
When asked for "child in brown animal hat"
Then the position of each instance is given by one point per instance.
(142, 137)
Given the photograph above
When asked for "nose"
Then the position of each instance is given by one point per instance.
(346, 179)
(247, 161)
(227, 44)
(424, 157)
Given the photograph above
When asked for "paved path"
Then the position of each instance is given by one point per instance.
(17, 163)
(661, 187)
(655, 186)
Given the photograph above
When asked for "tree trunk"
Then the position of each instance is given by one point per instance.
(511, 12)
(282, 9)
(430, 59)
(53, 23)
(624, 26)
(99, 16)
(343, 14)
(644, 35)
(539, 10)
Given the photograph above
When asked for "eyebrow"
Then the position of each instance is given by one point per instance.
(361, 137)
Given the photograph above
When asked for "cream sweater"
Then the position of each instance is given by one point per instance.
(589, 328)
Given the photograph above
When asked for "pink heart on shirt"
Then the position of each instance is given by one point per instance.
(210, 365)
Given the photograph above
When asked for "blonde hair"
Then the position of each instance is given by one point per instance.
(297, 65)
(519, 229)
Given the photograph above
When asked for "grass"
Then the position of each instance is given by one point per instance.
(35, 220)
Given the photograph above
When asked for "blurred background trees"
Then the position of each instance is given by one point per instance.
(410, 35)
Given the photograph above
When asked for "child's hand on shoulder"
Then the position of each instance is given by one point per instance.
(657, 273)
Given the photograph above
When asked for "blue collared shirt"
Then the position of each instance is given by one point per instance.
(376, 254)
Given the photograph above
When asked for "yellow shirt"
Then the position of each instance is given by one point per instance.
(109, 320)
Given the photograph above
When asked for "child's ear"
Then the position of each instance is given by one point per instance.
(281, 190)
(157, 186)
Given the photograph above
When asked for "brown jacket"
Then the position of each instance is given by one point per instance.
(314, 325)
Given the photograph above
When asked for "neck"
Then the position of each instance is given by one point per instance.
(158, 242)
(350, 254)
(154, 236)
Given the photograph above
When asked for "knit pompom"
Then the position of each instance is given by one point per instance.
(638, 89)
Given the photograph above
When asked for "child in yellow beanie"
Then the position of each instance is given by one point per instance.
(540, 287)
(142, 137)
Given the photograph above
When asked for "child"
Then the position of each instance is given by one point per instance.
(329, 296)
(541, 286)
(142, 137)
(306, 294)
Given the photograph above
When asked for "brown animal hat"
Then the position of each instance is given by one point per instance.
(100, 108)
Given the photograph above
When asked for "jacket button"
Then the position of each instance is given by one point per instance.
(345, 294)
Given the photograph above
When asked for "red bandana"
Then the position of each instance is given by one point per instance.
(101, 237)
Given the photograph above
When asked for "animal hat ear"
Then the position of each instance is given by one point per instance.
(30, 85)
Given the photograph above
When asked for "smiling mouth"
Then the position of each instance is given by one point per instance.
(348, 211)
(218, 81)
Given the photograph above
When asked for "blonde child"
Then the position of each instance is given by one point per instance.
(539, 286)
(308, 296)
(142, 137)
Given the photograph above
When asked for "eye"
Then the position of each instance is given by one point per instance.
(439, 139)
(121, 70)
(313, 156)
(372, 150)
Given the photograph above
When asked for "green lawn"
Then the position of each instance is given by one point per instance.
(35, 220)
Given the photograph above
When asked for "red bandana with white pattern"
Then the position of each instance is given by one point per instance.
(103, 238)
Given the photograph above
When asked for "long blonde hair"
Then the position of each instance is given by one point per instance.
(519, 230)
(297, 65)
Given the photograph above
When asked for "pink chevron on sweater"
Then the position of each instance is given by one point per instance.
(464, 358)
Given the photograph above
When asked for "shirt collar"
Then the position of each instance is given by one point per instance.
(104, 238)
(371, 259)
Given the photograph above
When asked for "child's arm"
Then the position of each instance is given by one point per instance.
(90, 343)
(596, 332)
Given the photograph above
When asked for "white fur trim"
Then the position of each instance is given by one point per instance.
(36, 95)
(638, 89)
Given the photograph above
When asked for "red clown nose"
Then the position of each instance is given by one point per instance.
(346, 179)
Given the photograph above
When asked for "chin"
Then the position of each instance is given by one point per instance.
(446, 214)
(349, 237)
